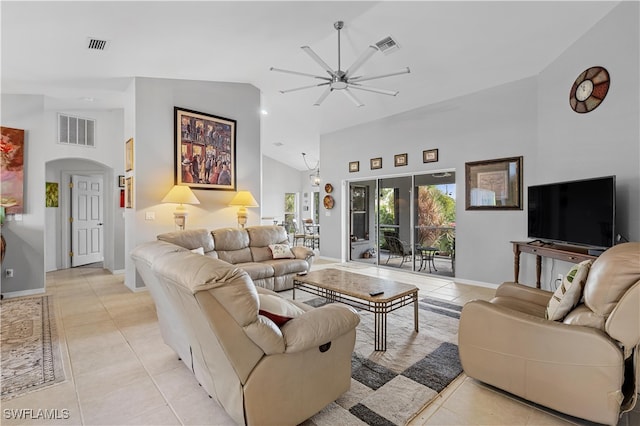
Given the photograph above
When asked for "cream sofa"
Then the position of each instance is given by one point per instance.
(585, 365)
(211, 313)
(248, 249)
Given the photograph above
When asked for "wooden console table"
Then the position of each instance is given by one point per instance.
(540, 249)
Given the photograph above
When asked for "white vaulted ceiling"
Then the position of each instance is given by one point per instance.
(452, 48)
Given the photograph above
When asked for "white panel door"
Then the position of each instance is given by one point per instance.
(87, 231)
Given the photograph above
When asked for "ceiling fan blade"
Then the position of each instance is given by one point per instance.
(364, 57)
(323, 96)
(374, 89)
(303, 87)
(299, 73)
(318, 59)
(350, 95)
(373, 77)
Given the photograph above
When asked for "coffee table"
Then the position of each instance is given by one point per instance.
(354, 289)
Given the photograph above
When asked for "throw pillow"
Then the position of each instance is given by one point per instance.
(281, 251)
(199, 250)
(277, 309)
(568, 294)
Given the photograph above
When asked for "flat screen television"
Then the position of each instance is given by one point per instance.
(581, 212)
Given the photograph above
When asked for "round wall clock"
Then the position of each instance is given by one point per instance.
(589, 89)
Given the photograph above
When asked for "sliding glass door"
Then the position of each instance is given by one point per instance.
(404, 222)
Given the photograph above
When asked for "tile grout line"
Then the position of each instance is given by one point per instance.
(146, 370)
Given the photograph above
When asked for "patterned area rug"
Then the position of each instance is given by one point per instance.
(30, 353)
(392, 387)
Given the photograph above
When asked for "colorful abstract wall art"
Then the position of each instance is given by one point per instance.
(12, 170)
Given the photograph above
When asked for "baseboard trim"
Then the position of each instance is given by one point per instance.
(475, 283)
(118, 272)
(22, 293)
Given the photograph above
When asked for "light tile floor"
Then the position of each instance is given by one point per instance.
(119, 371)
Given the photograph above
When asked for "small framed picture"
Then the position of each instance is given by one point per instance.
(376, 163)
(129, 155)
(400, 160)
(129, 192)
(354, 166)
(121, 181)
(430, 156)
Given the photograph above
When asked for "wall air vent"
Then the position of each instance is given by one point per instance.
(76, 130)
(387, 45)
(96, 44)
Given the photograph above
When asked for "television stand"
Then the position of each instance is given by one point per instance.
(541, 249)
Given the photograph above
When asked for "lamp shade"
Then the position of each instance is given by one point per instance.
(244, 199)
(181, 194)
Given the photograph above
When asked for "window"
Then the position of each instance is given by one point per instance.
(360, 212)
(290, 212)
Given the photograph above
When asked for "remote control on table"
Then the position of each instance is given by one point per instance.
(376, 293)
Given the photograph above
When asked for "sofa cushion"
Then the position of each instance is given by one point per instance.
(283, 267)
(235, 256)
(568, 294)
(257, 271)
(199, 250)
(281, 251)
(277, 309)
(190, 239)
(230, 239)
(262, 236)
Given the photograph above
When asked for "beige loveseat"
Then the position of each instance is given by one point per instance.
(248, 249)
(216, 319)
(585, 364)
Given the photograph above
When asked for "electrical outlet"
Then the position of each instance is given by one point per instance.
(560, 277)
(8, 273)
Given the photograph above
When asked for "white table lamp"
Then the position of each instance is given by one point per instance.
(243, 199)
(181, 195)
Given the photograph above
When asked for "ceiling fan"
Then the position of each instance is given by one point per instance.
(340, 80)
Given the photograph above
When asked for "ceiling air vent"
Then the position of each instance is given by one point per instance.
(387, 45)
(95, 44)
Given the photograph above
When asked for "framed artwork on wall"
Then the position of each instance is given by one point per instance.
(12, 168)
(376, 163)
(494, 184)
(205, 150)
(51, 194)
(354, 166)
(400, 160)
(121, 181)
(430, 156)
(128, 160)
(129, 192)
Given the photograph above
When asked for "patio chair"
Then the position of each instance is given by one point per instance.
(398, 248)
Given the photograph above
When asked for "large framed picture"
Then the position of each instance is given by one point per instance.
(205, 150)
(494, 184)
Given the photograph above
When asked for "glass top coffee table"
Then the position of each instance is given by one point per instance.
(360, 291)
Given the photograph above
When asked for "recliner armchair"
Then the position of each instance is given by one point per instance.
(585, 365)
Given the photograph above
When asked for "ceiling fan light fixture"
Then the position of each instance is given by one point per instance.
(341, 80)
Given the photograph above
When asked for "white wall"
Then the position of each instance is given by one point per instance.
(605, 141)
(26, 238)
(153, 133)
(494, 123)
(531, 118)
(278, 179)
